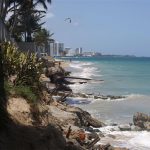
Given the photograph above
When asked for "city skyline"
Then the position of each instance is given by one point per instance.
(111, 26)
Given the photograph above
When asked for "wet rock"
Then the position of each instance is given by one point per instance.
(90, 129)
(147, 125)
(125, 127)
(91, 136)
(111, 136)
(96, 130)
(135, 128)
(142, 120)
(113, 124)
(109, 147)
(83, 95)
(85, 118)
(101, 134)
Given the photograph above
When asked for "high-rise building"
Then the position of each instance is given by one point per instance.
(61, 49)
(56, 49)
(78, 51)
(51, 47)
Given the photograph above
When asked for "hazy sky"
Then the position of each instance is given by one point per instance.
(107, 26)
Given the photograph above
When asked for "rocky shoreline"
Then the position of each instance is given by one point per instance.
(78, 127)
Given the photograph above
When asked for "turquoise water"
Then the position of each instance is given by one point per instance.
(127, 76)
(121, 75)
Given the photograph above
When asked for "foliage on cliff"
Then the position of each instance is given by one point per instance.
(24, 70)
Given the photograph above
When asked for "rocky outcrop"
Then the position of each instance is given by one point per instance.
(109, 147)
(125, 127)
(84, 118)
(102, 97)
(142, 120)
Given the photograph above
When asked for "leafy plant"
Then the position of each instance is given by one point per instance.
(26, 66)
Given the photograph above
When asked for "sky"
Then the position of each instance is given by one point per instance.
(107, 26)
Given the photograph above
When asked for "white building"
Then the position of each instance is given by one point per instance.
(78, 51)
(71, 52)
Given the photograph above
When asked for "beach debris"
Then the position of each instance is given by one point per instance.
(68, 133)
(71, 77)
(91, 144)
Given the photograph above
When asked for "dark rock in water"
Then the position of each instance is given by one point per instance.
(142, 120)
(87, 120)
(90, 129)
(113, 124)
(96, 130)
(125, 127)
(105, 97)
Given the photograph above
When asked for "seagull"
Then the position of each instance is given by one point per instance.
(68, 19)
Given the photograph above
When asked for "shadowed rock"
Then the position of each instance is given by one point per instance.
(142, 120)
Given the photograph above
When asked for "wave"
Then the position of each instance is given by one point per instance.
(134, 140)
(84, 69)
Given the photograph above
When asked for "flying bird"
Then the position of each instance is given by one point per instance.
(68, 19)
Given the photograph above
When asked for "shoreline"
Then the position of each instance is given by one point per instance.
(122, 127)
(77, 125)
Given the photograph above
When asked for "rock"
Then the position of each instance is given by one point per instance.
(90, 129)
(147, 125)
(96, 130)
(135, 128)
(71, 143)
(142, 120)
(85, 118)
(125, 127)
(109, 147)
(113, 124)
(83, 95)
(29, 137)
(111, 136)
(91, 136)
(101, 134)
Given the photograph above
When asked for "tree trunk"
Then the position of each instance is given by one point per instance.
(3, 101)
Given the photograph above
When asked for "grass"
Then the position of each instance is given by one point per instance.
(22, 91)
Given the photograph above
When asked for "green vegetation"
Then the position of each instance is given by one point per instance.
(42, 36)
(26, 66)
(25, 69)
(21, 91)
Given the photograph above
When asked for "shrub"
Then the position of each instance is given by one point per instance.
(26, 66)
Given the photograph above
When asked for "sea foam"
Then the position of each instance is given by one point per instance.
(134, 140)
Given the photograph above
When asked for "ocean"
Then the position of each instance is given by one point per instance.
(123, 76)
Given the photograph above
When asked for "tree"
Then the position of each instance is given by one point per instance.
(26, 26)
(24, 8)
(5, 7)
(42, 36)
